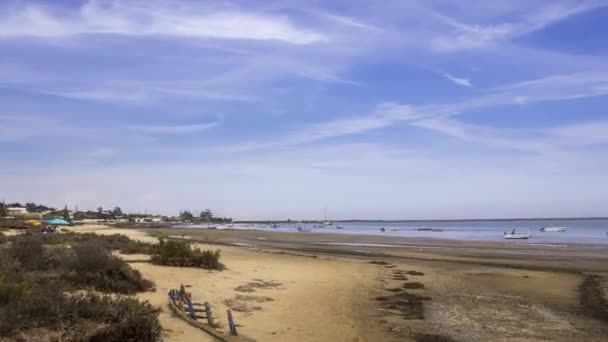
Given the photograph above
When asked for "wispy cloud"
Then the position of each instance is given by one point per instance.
(467, 36)
(175, 129)
(148, 18)
(438, 117)
(465, 82)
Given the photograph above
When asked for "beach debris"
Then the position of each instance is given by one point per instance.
(593, 298)
(399, 277)
(415, 273)
(409, 306)
(239, 306)
(181, 303)
(390, 266)
(257, 284)
(425, 337)
(379, 262)
(395, 289)
(238, 303)
(413, 285)
(257, 299)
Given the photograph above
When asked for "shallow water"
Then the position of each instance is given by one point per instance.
(579, 230)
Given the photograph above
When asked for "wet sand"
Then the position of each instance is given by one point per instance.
(320, 287)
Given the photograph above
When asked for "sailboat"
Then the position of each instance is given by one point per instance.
(325, 221)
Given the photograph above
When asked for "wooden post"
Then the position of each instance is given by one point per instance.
(191, 309)
(209, 314)
(231, 324)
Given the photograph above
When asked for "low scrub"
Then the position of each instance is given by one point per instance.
(39, 278)
(79, 317)
(182, 254)
(93, 266)
(87, 264)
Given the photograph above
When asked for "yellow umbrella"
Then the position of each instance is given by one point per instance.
(34, 222)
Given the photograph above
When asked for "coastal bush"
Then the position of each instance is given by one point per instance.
(29, 251)
(38, 277)
(182, 254)
(93, 265)
(87, 264)
(81, 317)
(112, 242)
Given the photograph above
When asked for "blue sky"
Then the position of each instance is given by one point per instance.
(256, 109)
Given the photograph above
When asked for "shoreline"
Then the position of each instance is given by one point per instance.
(463, 290)
(431, 220)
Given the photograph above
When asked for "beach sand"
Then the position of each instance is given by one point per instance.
(281, 287)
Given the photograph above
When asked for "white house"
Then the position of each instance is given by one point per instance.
(16, 210)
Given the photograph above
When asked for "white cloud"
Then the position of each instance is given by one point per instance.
(385, 115)
(468, 36)
(584, 133)
(439, 117)
(154, 18)
(175, 129)
(465, 82)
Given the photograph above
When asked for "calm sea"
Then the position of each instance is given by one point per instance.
(578, 231)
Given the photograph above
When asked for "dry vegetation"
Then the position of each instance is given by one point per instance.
(182, 254)
(54, 287)
(50, 284)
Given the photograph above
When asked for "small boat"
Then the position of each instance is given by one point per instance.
(339, 227)
(436, 230)
(425, 229)
(304, 230)
(553, 229)
(274, 225)
(327, 222)
(514, 235)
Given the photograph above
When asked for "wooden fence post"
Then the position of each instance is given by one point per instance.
(209, 314)
(231, 324)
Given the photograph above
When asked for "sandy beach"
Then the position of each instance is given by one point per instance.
(323, 287)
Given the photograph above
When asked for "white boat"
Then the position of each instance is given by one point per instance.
(325, 221)
(517, 236)
(553, 229)
(304, 230)
(520, 236)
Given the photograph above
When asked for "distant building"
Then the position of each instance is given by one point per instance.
(16, 210)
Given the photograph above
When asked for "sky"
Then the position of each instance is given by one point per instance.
(274, 110)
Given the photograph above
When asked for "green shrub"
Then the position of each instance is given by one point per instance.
(9, 292)
(93, 266)
(181, 253)
(29, 251)
(82, 317)
(37, 272)
(138, 247)
(110, 242)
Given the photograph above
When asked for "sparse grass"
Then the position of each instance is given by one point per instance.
(182, 254)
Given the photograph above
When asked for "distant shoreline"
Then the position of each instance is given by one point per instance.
(429, 220)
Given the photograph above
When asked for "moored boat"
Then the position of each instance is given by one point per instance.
(517, 236)
(553, 229)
